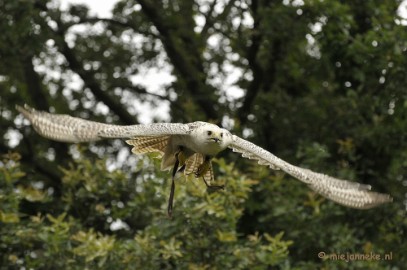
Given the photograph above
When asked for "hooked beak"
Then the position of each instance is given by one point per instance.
(215, 139)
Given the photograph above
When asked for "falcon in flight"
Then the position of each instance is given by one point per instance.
(189, 148)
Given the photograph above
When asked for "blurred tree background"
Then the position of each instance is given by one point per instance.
(321, 84)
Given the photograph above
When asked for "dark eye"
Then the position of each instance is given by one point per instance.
(221, 135)
(209, 133)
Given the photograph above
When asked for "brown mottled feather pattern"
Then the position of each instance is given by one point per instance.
(209, 174)
(149, 144)
(192, 164)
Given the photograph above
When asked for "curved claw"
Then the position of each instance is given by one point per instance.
(213, 187)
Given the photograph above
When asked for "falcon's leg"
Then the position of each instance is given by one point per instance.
(179, 160)
(202, 169)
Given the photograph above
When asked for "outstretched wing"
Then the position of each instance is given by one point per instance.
(65, 128)
(344, 192)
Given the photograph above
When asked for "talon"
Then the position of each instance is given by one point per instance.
(219, 187)
(213, 187)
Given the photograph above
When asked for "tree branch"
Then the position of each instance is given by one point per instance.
(33, 81)
(141, 91)
(210, 21)
(89, 80)
(113, 22)
(175, 48)
(257, 70)
(107, 20)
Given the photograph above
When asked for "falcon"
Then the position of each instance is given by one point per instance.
(189, 148)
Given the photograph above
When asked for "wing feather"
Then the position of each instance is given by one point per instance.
(65, 128)
(341, 191)
(149, 144)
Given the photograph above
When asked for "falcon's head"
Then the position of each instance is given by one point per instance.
(211, 137)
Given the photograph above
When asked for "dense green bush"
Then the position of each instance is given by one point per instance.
(76, 231)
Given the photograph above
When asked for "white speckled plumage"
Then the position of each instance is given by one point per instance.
(347, 193)
(198, 140)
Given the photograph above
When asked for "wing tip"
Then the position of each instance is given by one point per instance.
(379, 200)
(387, 198)
(376, 199)
(25, 110)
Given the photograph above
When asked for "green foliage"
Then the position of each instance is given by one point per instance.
(322, 85)
(201, 235)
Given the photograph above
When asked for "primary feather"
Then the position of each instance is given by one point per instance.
(344, 192)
